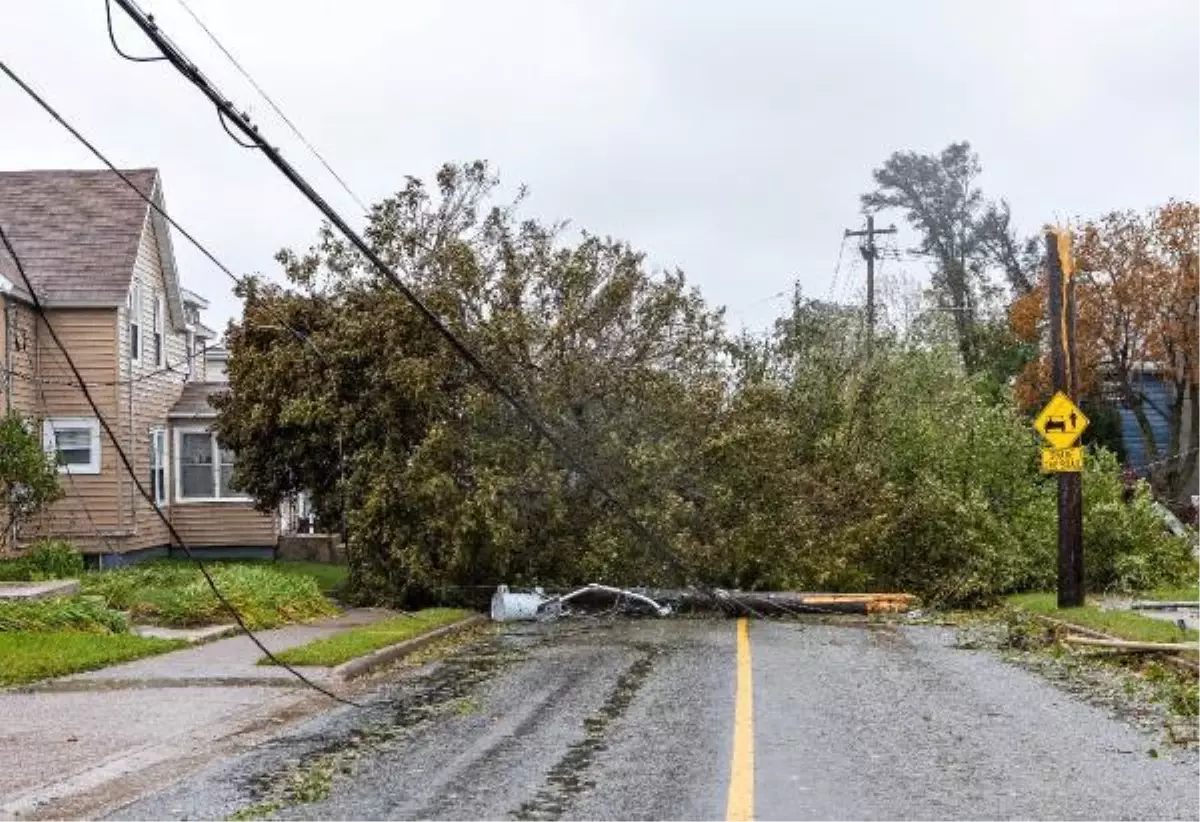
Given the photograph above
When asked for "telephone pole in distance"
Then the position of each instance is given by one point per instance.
(870, 253)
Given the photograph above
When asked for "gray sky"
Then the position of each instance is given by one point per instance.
(729, 139)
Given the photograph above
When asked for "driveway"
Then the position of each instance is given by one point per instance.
(675, 719)
(74, 743)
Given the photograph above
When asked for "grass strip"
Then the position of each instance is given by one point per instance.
(60, 613)
(27, 656)
(1121, 624)
(355, 642)
(1187, 594)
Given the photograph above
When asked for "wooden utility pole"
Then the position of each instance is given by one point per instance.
(1061, 286)
(870, 253)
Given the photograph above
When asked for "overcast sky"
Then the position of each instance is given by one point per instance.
(729, 139)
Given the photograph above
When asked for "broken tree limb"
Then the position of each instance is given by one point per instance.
(1133, 647)
(1179, 663)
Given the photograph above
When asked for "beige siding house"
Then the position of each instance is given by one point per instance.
(101, 263)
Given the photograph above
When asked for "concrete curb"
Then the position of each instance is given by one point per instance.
(192, 636)
(377, 659)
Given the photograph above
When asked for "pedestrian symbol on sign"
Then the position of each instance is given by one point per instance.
(1061, 422)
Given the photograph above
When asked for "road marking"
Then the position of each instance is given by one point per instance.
(740, 807)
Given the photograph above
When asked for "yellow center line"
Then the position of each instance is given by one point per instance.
(740, 807)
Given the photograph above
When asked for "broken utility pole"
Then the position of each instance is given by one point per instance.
(870, 253)
(1061, 286)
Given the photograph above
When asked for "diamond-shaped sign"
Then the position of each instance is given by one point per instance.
(1061, 422)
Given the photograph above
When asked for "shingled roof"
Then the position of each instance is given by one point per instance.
(76, 232)
(193, 402)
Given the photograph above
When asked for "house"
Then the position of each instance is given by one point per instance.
(101, 262)
(1158, 392)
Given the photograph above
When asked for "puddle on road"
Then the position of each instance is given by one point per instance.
(568, 778)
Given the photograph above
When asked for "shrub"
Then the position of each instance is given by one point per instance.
(28, 476)
(46, 559)
(61, 614)
(54, 559)
(1126, 544)
(176, 594)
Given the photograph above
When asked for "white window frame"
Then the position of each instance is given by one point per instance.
(216, 466)
(51, 425)
(134, 324)
(159, 462)
(159, 333)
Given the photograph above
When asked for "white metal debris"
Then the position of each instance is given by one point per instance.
(511, 606)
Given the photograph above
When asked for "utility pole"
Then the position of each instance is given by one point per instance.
(1061, 285)
(870, 253)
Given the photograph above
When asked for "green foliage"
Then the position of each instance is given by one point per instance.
(1126, 546)
(61, 614)
(45, 559)
(176, 594)
(356, 642)
(28, 477)
(1104, 428)
(54, 559)
(790, 461)
(27, 656)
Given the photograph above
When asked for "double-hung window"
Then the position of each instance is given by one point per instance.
(74, 442)
(160, 344)
(158, 465)
(133, 307)
(203, 467)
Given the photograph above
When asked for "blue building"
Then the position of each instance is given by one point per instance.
(1159, 393)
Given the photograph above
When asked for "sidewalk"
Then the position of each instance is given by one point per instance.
(105, 732)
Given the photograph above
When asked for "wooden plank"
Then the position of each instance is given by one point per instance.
(1135, 647)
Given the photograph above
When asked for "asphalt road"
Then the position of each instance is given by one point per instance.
(669, 719)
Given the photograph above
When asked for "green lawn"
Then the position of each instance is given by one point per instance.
(330, 578)
(26, 656)
(1187, 594)
(356, 642)
(1123, 624)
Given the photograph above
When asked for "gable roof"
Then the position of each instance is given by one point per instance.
(77, 233)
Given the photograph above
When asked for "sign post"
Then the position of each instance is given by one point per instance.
(1061, 422)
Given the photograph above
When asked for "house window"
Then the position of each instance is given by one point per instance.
(203, 468)
(158, 465)
(134, 309)
(74, 442)
(160, 352)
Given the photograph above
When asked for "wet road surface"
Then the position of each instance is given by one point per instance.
(638, 719)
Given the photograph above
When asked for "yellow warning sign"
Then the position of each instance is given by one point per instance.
(1062, 460)
(1061, 422)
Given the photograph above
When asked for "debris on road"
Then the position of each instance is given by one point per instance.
(508, 606)
(784, 603)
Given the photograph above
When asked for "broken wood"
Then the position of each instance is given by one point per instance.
(1133, 647)
(782, 603)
